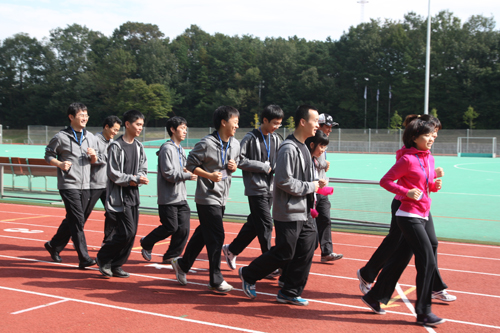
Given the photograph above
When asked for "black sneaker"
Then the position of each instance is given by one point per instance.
(429, 319)
(119, 272)
(104, 269)
(53, 253)
(373, 304)
(90, 262)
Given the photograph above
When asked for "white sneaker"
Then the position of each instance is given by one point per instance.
(230, 258)
(223, 288)
(363, 285)
(443, 296)
(179, 274)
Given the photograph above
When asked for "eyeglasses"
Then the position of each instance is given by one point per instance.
(84, 116)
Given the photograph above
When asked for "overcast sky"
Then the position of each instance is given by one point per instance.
(310, 19)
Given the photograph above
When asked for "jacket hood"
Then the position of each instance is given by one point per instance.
(411, 151)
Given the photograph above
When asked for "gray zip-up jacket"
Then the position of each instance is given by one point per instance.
(117, 179)
(206, 154)
(256, 178)
(98, 177)
(64, 147)
(292, 184)
(171, 180)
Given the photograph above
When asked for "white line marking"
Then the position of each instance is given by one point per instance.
(129, 309)
(39, 307)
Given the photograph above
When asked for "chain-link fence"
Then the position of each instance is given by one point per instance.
(341, 139)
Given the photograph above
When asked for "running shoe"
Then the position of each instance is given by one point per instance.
(179, 274)
(363, 285)
(146, 254)
(248, 289)
(281, 298)
(230, 257)
(223, 288)
(429, 319)
(443, 296)
(373, 304)
(331, 257)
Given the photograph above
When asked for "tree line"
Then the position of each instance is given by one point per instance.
(380, 63)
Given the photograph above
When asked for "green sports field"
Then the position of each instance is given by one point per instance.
(465, 209)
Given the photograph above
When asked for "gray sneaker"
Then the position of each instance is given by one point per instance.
(146, 254)
(363, 285)
(179, 274)
(331, 257)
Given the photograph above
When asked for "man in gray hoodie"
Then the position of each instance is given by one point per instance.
(172, 195)
(72, 151)
(295, 229)
(258, 152)
(213, 160)
(126, 169)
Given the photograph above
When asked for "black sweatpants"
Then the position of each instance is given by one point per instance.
(324, 224)
(75, 203)
(115, 252)
(416, 240)
(259, 224)
(175, 222)
(209, 233)
(294, 250)
(390, 243)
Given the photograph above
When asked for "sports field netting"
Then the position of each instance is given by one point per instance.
(465, 209)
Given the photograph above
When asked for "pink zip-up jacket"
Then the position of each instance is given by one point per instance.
(409, 174)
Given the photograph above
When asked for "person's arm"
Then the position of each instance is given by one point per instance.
(168, 169)
(247, 164)
(284, 175)
(398, 170)
(51, 155)
(113, 169)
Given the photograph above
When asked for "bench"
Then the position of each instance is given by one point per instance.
(30, 167)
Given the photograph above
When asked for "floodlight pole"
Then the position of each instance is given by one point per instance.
(427, 61)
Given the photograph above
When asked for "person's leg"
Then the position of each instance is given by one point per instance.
(431, 232)
(324, 224)
(378, 259)
(75, 202)
(130, 222)
(213, 234)
(287, 235)
(95, 195)
(169, 225)
(195, 244)
(180, 236)
(247, 232)
(297, 271)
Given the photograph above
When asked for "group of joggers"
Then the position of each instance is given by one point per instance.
(287, 188)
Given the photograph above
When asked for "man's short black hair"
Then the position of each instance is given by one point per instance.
(131, 116)
(111, 121)
(224, 113)
(302, 112)
(175, 122)
(271, 112)
(74, 108)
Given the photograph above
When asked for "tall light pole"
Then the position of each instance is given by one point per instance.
(260, 86)
(366, 88)
(427, 61)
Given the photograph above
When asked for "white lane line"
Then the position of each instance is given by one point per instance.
(409, 305)
(129, 309)
(39, 307)
(236, 289)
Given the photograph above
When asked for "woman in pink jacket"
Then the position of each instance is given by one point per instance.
(415, 174)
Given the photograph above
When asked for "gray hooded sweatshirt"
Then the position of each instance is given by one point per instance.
(293, 183)
(117, 180)
(256, 178)
(98, 177)
(206, 154)
(171, 181)
(64, 147)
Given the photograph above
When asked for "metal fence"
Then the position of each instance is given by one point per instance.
(1, 134)
(342, 140)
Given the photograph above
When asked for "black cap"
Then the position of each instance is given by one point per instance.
(326, 119)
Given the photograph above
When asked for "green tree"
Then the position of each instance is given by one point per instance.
(434, 112)
(469, 116)
(396, 121)
(290, 124)
(152, 100)
(255, 124)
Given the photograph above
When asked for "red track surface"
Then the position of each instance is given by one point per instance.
(41, 296)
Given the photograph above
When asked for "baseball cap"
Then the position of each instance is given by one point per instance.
(326, 119)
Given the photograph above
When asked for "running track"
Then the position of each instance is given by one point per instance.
(41, 296)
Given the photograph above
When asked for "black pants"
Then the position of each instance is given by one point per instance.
(379, 258)
(210, 233)
(324, 224)
(116, 251)
(75, 203)
(95, 195)
(416, 240)
(259, 224)
(294, 250)
(175, 222)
